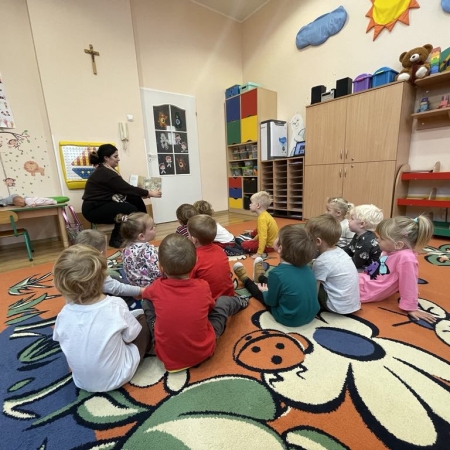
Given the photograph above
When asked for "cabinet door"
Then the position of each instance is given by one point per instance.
(373, 121)
(321, 181)
(371, 182)
(325, 136)
(249, 129)
(234, 132)
(249, 103)
(233, 109)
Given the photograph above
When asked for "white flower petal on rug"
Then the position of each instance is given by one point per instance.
(150, 372)
(175, 382)
(300, 384)
(101, 405)
(411, 355)
(205, 433)
(443, 330)
(384, 393)
(432, 308)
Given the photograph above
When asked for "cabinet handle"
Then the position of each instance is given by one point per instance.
(346, 153)
(340, 173)
(345, 173)
(341, 154)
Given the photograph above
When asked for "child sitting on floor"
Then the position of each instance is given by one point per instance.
(101, 339)
(290, 291)
(339, 208)
(184, 213)
(398, 269)
(139, 257)
(336, 275)
(266, 227)
(97, 239)
(363, 248)
(223, 236)
(212, 263)
(182, 314)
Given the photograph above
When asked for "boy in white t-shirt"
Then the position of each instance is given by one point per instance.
(101, 339)
(336, 275)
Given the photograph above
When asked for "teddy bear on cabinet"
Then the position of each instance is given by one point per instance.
(415, 63)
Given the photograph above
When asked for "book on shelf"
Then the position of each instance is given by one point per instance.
(149, 183)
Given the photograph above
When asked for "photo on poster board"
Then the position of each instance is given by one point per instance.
(182, 164)
(75, 164)
(180, 143)
(166, 164)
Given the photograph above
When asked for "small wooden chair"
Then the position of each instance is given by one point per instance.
(11, 218)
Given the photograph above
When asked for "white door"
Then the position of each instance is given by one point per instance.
(172, 150)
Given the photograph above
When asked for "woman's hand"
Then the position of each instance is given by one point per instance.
(157, 194)
(419, 314)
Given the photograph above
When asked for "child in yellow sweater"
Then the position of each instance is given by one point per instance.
(266, 227)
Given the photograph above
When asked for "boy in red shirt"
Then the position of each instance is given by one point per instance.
(181, 312)
(212, 262)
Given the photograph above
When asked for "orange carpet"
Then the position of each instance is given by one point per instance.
(374, 380)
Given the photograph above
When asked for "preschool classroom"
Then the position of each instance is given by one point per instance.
(303, 99)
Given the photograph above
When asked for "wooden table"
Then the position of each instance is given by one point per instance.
(34, 212)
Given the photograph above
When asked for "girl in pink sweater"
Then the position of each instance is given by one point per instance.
(398, 268)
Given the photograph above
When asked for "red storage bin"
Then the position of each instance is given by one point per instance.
(249, 103)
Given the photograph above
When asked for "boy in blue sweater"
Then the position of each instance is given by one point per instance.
(290, 291)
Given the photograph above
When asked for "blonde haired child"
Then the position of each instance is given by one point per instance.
(336, 275)
(398, 269)
(97, 239)
(139, 257)
(101, 339)
(223, 236)
(338, 207)
(363, 248)
(266, 227)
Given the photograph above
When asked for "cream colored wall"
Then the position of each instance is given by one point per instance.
(184, 48)
(270, 57)
(20, 76)
(83, 106)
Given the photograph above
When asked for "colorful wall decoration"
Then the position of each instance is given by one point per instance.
(6, 117)
(386, 13)
(75, 162)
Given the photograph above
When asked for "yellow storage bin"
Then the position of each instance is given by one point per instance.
(236, 203)
(249, 129)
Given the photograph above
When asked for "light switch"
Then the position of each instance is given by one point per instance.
(130, 117)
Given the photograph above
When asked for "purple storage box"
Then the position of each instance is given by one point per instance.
(384, 75)
(362, 82)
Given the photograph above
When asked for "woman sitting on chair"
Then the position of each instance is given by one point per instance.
(107, 194)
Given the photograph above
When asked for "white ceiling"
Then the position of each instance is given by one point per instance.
(238, 10)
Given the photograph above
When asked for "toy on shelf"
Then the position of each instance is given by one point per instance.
(415, 63)
(445, 102)
(434, 60)
(424, 105)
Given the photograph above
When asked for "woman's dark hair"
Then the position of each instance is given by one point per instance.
(98, 157)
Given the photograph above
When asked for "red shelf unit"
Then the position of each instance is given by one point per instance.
(425, 176)
(423, 202)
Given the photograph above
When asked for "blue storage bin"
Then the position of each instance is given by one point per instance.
(383, 75)
(232, 91)
(235, 192)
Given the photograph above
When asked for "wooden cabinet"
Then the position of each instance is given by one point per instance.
(436, 88)
(283, 179)
(355, 146)
(244, 113)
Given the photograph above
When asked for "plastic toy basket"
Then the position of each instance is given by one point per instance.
(73, 224)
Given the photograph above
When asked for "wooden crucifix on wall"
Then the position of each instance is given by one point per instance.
(93, 55)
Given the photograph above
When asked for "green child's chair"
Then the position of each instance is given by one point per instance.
(11, 218)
